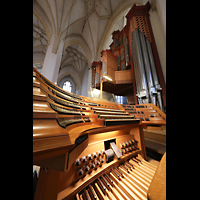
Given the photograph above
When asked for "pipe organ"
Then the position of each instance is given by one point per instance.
(92, 149)
(134, 49)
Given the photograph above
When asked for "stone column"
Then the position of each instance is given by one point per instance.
(52, 61)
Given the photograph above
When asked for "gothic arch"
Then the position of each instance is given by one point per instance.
(42, 21)
(64, 77)
(79, 40)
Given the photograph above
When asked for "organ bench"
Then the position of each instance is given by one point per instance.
(90, 149)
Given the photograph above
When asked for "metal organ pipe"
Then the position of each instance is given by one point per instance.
(127, 50)
(143, 93)
(147, 83)
(147, 68)
(155, 76)
(136, 69)
(153, 67)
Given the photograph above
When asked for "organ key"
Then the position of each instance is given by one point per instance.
(126, 181)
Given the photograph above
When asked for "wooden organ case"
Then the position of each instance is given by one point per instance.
(89, 149)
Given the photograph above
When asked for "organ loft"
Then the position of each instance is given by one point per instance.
(110, 144)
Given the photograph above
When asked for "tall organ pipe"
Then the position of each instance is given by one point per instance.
(153, 67)
(146, 61)
(155, 76)
(147, 68)
(137, 74)
(144, 89)
(127, 50)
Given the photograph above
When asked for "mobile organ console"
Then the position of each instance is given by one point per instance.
(92, 149)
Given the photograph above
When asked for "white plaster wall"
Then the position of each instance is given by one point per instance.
(38, 56)
(161, 9)
(85, 85)
(160, 39)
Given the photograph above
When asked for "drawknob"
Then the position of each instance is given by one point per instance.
(94, 155)
(80, 172)
(89, 157)
(92, 165)
(77, 162)
(86, 168)
(83, 159)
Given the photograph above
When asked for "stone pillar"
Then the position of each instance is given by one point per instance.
(52, 61)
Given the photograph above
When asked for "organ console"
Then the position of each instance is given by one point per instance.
(92, 149)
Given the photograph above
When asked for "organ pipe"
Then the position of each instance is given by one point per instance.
(147, 83)
(147, 68)
(155, 76)
(143, 93)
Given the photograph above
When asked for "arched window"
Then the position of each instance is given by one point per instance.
(67, 86)
(119, 99)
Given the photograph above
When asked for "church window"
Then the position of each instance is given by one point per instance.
(67, 86)
(119, 99)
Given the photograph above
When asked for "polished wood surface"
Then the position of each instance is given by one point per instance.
(148, 113)
(67, 127)
(111, 62)
(123, 76)
(157, 189)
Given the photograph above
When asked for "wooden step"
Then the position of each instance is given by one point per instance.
(155, 135)
(152, 145)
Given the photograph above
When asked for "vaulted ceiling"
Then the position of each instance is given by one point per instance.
(84, 25)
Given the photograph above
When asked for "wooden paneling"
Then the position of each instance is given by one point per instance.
(123, 76)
